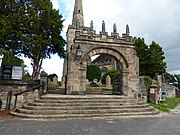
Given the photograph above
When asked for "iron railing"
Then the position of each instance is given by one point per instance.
(40, 88)
(0, 98)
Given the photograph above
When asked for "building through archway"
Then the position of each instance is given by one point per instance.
(83, 43)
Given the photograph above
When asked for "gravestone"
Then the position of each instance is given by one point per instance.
(94, 83)
(108, 81)
(55, 81)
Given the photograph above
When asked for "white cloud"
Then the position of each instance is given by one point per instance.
(56, 4)
(154, 20)
(53, 65)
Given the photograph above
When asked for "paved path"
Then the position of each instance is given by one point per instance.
(142, 126)
(165, 125)
(176, 110)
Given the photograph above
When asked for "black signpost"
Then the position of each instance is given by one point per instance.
(11, 72)
(6, 72)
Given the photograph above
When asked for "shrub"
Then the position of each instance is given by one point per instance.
(114, 74)
(93, 72)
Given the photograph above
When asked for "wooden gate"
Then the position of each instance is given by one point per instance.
(177, 93)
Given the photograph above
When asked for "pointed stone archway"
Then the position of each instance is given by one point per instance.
(85, 39)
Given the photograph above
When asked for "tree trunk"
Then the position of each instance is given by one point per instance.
(36, 69)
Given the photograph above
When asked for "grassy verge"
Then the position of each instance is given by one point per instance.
(165, 106)
(159, 107)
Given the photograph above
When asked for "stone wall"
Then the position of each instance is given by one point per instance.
(170, 90)
(15, 86)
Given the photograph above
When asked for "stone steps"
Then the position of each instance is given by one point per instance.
(100, 106)
(71, 97)
(87, 101)
(85, 116)
(80, 104)
(82, 107)
(81, 111)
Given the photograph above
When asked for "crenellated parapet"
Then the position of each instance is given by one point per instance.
(88, 33)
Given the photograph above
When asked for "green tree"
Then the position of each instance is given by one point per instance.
(148, 82)
(151, 59)
(33, 29)
(93, 72)
(156, 60)
(11, 60)
(10, 24)
(169, 78)
(114, 74)
(51, 76)
(42, 36)
(142, 53)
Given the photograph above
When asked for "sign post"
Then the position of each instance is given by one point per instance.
(12, 72)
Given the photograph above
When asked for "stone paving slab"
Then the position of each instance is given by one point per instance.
(176, 110)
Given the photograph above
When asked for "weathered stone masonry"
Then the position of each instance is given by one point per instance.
(85, 38)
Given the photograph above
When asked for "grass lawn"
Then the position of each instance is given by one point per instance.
(165, 106)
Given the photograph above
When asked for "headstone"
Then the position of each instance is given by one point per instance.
(55, 80)
(94, 83)
(108, 81)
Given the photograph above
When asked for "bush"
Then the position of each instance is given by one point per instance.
(93, 72)
(11, 60)
(27, 76)
(114, 74)
(51, 76)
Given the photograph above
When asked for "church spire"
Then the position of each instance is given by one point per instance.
(127, 30)
(78, 13)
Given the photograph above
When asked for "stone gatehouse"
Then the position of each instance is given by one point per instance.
(83, 42)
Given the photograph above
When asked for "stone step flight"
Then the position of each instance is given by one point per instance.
(83, 107)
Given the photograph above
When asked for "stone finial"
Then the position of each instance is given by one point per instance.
(91, 26)
(114, 28)
(103, 26)
(127, 30)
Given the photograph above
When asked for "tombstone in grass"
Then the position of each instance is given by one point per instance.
(55, 80)
(108, 81)
(94, 83)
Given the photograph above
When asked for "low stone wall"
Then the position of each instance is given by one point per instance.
(170, 90)
(99, 90)
(93, 90)
(7, 85)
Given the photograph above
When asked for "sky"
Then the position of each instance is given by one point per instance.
(154, 20)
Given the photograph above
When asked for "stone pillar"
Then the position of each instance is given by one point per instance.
(44, 79)
(108, 81)
(125, 83)
(154, 93)
(82, 87)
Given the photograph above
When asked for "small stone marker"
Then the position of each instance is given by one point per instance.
(55, 80)
(108, 81)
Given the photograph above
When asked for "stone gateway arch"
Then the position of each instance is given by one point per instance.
(83, 43)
